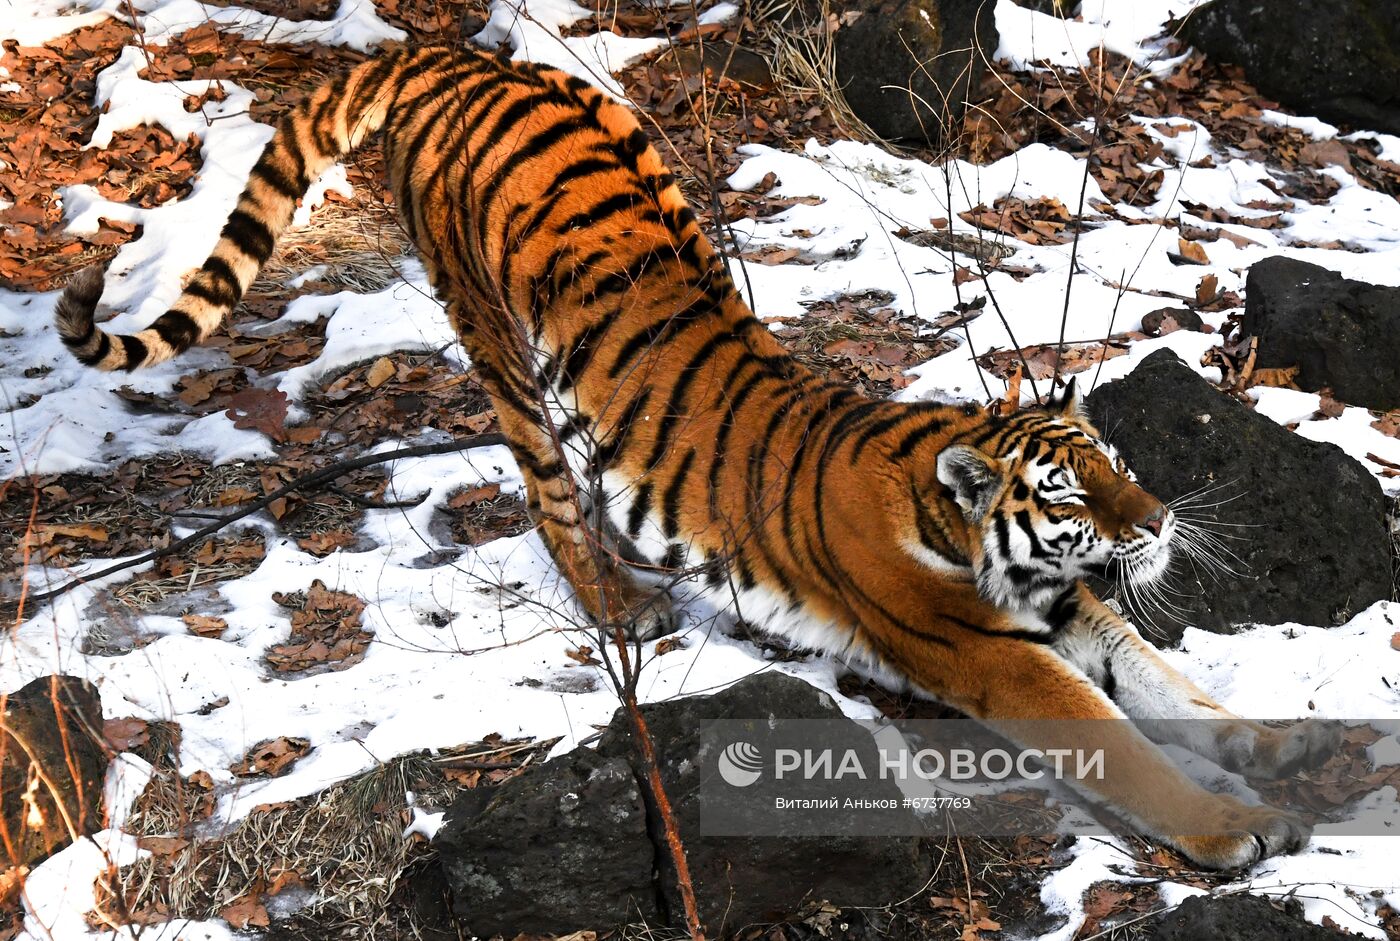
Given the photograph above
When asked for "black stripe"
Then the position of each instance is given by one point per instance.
(210, 293)
(600, 211)
(104, 346)
(580, 353)
(675, 557)
(641, 505)
(276, 179)
(663, 330)
(608, 452)
(538, 143)
(1003, 535)
(250, 234)
(679, 390)
(671, 499)
(220, 270)
(176, 328)
(913, 438)
(726, 423)
(1023, 520)
(135, 351)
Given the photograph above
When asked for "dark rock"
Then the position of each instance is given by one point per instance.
(905, 66)
(739, 880)
(570, 846)
(1341, 334)
(1310, 537)
(1337, 59)
(1153, 324)
(50, 737)
(559, 848)
(1239, 918)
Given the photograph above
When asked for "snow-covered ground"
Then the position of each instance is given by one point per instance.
(455, 657)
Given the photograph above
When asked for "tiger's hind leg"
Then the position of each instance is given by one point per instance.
(590, 561)
(1170, 708)
(582, 549)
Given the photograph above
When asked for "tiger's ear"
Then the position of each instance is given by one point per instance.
(971, 475)
(1067, 403)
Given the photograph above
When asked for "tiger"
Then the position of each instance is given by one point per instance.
(659, 426)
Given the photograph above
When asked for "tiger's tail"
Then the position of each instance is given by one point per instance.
(326, 126)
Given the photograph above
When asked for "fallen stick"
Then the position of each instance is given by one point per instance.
(331, 472)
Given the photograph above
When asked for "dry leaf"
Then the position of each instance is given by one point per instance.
(1328, 407)
(202, 625)
(1276, 377)
(1205, 291)
(1395, 641)
(583, 656)
(474, 496)
(1192, 252)
(245, 913)
(125, 734)
(263, 410)
(271, 758)
(74, 531)
(322, 544)
(381, 372)
(1387, 423)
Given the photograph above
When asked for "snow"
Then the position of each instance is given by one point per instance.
(34, 22)
(479, 645)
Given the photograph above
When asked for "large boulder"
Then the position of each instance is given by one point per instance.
(1305, 522)
(905, 66)
(52, 765)
(1341, 334)
(1337, 59)
(741, 879)
(576, 843)
(559, 848)
(1238, 918)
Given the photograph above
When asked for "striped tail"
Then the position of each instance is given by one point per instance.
(329, 124)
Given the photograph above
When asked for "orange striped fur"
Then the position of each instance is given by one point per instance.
(941, 543)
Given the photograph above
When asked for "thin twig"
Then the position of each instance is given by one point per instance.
(338, 469)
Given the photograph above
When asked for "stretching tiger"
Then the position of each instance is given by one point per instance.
(943, 543)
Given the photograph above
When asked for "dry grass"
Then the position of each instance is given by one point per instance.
(345, 845)
(360, 243)
(804, 61)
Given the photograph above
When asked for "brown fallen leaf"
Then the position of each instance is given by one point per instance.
(381, 372)
(326, 631)
(583, 656)
(263, 410)
(271, 758)
(1192, 252)
(324, 543)
(1395, 641)
(1387, 423)
(1276, 377)
(202, 625)
(1206, 289)
(125, 734)
(246, 912)
(474, 496)
(74, 531)
(1328, 407)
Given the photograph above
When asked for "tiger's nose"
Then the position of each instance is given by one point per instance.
(1152, 522)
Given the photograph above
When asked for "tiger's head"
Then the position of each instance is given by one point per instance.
(1047, 502)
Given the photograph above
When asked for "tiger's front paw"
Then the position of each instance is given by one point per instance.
(647, 618)
(1300, 747)
(1250, 834)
